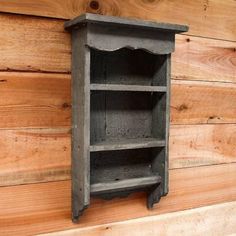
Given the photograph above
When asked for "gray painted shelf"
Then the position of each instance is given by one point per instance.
(120, 107)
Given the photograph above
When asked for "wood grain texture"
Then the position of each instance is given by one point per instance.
(198, 58)
(43, 100)
(37, 155)
(43, 45)
(41, 208)
(196, 102)
(41, 155)
(219, 219)
(33, 44)
(34, 100)
(196, 145)
(212, 18)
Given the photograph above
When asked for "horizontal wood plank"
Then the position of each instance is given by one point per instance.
(218, 220)
(195, 145)
(41, 208)
(37, 155)
(41, 155)
(203, 59)
(34, 100)
(206, 18)
(43, 45)
(43, 100)
(194, 102)
(34, 44)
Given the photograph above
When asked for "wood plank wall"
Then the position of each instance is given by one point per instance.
(35, 110)
(200, 221)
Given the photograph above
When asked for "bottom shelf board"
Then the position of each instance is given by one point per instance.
(126, 184)
(127, 144)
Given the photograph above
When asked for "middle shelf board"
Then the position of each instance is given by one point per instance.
(126, 184)
(127, 144)
(124, 87)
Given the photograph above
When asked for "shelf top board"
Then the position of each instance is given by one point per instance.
(125, 22)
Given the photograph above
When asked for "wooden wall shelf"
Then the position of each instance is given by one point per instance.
(120, 105)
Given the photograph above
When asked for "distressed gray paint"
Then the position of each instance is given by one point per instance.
(129, 23)
(120, 106)
(80, 125)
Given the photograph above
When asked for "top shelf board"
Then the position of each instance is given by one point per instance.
(111, 20)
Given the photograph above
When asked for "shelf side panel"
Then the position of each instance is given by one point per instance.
(80, 123)
(161, 116)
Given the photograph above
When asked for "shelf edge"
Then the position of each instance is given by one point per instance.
(134, 88)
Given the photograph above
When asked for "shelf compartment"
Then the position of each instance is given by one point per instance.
(124, 116)
(127, 184)
(134, 88)
(118, 165)
(127, 144)
(128, 67)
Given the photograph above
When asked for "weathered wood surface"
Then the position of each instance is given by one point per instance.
(194, 145)
(112, 21)
(218, 220)
(80, 138)
(41, 208)
(34, 100)
(44, 100)
(41, 155)
(43, 45)
(36, 155)
(125, 184)
(119, 87)
(198, 58)
(194, 102)
(203, 17)
(33, 44)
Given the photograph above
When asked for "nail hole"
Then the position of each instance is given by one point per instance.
(94, 5)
